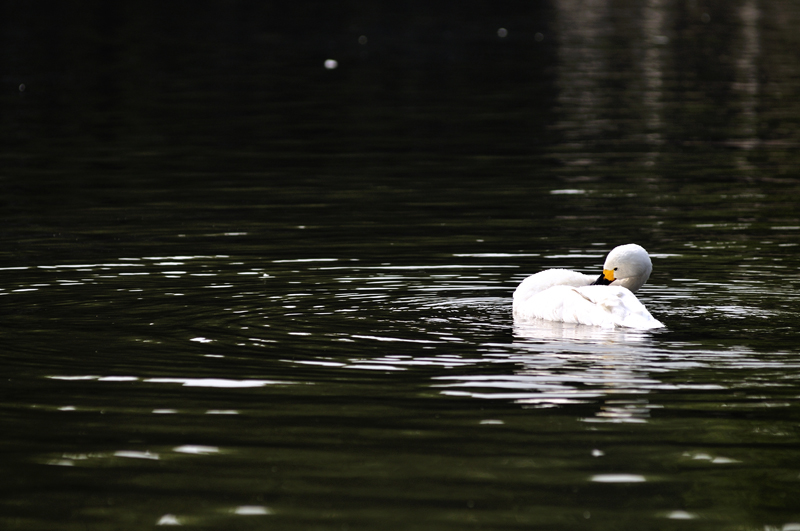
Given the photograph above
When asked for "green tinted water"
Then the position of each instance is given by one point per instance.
(310, 327)
(378, 379)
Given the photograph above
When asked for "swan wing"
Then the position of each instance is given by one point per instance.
(621, 305)
(607, 306)
(565, 304)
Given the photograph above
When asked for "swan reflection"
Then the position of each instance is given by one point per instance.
(540, 329)
(562, 364)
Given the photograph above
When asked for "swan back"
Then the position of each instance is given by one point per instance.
(544, 280)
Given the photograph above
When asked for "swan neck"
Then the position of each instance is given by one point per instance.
(632, 283)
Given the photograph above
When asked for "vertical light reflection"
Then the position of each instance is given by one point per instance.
(747, 84)
(654, 28)
(582, 64)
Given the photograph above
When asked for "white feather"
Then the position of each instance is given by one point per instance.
(568, 296)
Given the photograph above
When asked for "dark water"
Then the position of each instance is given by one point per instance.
(244, 291)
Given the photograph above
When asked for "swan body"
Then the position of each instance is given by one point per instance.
(572, 297)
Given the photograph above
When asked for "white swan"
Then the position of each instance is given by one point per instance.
(572, 297)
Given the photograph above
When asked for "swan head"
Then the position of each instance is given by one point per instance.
(628, 266)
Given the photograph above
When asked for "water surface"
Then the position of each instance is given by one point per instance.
(254, 293)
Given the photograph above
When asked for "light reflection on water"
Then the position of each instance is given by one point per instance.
(284, 299)
(299, 333)
(435, 308)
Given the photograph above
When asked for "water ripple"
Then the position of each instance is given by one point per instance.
(448, 322)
